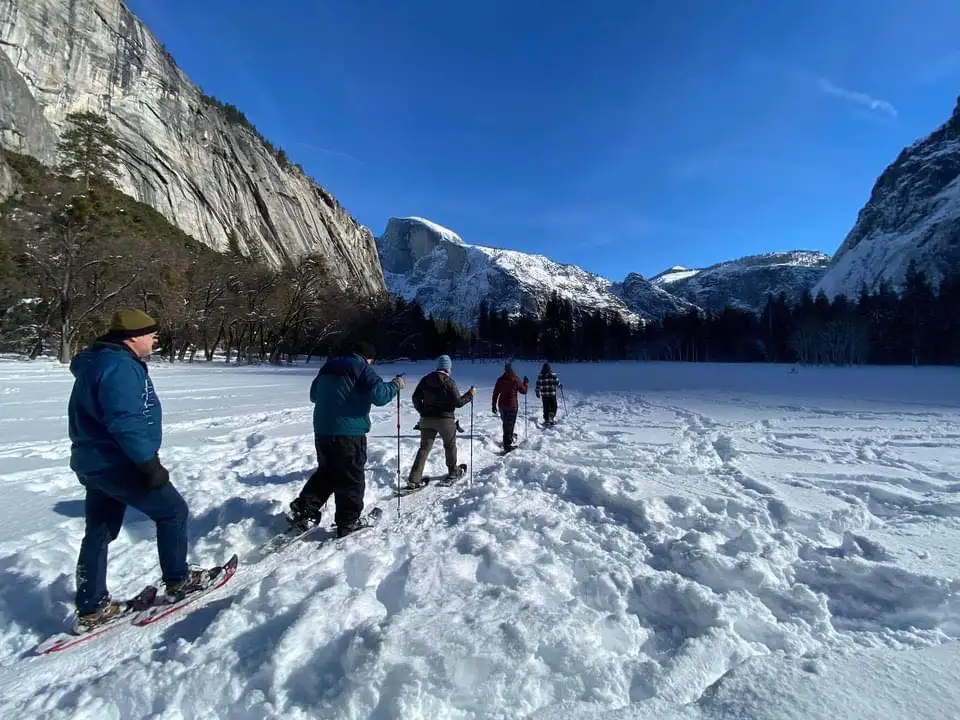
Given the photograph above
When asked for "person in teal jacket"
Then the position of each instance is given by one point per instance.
(342, 393)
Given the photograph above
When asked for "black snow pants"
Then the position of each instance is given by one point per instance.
(509, 418)
(549, 408)
(340, 463)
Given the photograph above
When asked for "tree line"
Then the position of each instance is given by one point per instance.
(919, 326)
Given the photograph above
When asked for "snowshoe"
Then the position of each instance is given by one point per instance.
(196, 581)
(451, 478)
(112, 611)
(187, 593)
(90, 627)
(101, 616)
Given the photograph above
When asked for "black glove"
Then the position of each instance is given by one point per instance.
(155, 475)
(525, 381)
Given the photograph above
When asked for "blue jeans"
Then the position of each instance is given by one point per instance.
(106, 502)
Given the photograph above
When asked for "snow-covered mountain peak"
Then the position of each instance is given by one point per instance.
(445, 233)
(431, 264)
(677, 272)
(746, 282)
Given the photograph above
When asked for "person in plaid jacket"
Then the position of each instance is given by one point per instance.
(546, 390)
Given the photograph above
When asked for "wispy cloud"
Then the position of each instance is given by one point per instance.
(881, 106)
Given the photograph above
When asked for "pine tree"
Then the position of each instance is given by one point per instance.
(89, 149)
(886, 342)
(917, 313)
(949, 302)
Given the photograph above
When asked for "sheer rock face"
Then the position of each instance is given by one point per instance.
(913, 214)
(8, 181)
(208, 174)
(649, 300)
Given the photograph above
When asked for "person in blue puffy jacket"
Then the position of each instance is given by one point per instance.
(115, 425)
(342, 393)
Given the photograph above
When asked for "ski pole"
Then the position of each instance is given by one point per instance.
(471, 440)
(564, 398)
(526, 416)
(398, 452)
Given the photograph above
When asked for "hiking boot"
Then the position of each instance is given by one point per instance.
(352, 527)
(106, 612)
(303, 514)
(195, 581)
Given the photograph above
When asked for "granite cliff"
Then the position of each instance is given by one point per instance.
(913, 215)
(194, 159)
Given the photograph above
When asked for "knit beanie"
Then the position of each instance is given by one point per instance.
(131, 323)
(444, 363)
(365, 349)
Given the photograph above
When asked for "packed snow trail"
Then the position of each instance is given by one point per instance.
(688, 542)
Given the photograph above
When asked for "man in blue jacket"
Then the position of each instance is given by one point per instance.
(115, 430)
(342, 393)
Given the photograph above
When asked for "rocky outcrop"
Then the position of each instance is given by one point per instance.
(746, 283)
(913, 214)
(428, 263)
(648, 300)
(196, 161)
(8, 181)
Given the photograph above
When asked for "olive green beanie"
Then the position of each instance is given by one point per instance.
(130, 323)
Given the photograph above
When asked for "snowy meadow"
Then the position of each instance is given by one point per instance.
(689, 542)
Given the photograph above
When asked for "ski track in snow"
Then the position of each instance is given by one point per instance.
(653, 555)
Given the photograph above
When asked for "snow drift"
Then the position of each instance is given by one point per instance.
(692, 541)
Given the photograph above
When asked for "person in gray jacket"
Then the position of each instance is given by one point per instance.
(436, 397)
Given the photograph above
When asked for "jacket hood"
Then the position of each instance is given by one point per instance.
(436, 378)
(100, 351)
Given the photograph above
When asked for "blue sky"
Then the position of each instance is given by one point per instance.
(631, 137)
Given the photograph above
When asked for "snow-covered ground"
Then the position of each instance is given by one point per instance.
(690, 542)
